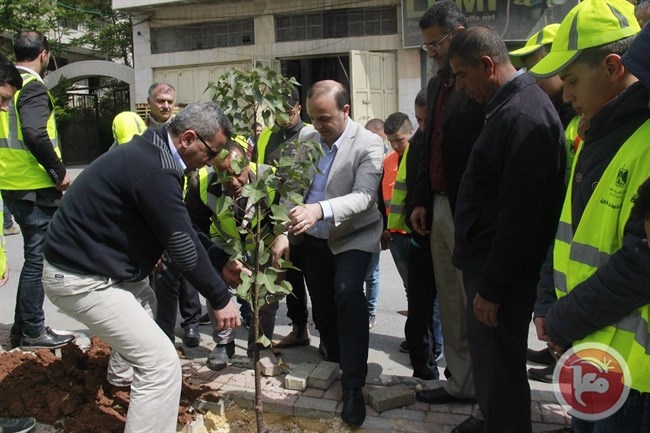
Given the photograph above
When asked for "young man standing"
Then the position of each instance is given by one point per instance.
(594, 286)
(32, 180)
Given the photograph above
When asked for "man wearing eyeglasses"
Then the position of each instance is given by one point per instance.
(453, 123)
(32, 180)
(113, 225)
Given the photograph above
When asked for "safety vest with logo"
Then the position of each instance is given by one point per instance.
(573, 142)
(394, 190)
(224, 229)
(19, 169)
(599, 234)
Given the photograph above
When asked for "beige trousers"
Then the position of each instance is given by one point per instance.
(121, 315)
(453, 301)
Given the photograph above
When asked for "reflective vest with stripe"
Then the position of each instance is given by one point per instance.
(394, 189)
(572, 142)
(599, 234)
(19, 169)
(262, 142)
(223, 230)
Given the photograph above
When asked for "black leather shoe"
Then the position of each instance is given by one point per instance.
(542, 374)
(218, 358)
(14, 340)
(47, 340)
(427, 374)
(191, 337)
(470, 425)
(354, 407)
(540, 356)
(440, 396)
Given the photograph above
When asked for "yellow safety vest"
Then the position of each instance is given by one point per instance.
(224, 229)
(19, 169)
(3, 253)
(572, 142)
(395, 202)
(262, 141)
(599, 234)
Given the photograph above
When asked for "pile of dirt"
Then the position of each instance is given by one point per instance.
(72, 391)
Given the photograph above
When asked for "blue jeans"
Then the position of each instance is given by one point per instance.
(437, 326)
(627, 419)
(372, 283)
(33, 221)
(399, 249)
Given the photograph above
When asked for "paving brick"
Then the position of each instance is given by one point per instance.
(446, 419)
(279, 403)
(216, 407)
(310, 407)
(553, 413)
(334, 392)
(313, 392)
(269, 366)
(405, 414)
(323, 375)
(392, 397)
(297, 378)
(194, 426)
(535, 411)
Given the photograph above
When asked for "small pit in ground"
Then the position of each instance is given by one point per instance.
(72, 393)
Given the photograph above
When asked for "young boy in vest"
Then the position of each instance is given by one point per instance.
(594, 285)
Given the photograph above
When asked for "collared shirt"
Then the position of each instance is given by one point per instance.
(32, 72)
(316, 192)
(175, 154)
(437, 181)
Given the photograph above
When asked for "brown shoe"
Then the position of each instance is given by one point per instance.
(299, 336)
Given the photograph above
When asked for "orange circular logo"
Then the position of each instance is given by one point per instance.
(592, 381)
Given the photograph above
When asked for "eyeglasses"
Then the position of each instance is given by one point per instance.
(212, 154)
(436, 45)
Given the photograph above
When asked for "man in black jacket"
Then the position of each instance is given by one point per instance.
(507, 210)
(113, 225)
(454, 121)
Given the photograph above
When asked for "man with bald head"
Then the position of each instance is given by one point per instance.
(341, 227)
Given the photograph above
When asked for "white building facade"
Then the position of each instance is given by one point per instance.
(359, 43)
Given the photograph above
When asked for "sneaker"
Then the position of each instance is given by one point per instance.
(13, 229)
(47, 340)
(299, 336)
(404, 347)
(204, 319)
(371, 322)
(16, 425)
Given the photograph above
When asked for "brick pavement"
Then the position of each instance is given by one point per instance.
(236, 384)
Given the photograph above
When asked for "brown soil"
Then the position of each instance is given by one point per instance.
(72, 392)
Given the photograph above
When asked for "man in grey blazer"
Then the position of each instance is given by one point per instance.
(340, 227)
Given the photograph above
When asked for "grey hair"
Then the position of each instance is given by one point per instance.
(203, 117)
(151, 94)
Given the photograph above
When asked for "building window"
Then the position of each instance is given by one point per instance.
(203, 36)
(337, 23)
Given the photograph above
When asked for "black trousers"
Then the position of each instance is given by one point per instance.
(499, 357)
(297, 301)
(421, 294)
(339, 306)
(173, 292)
